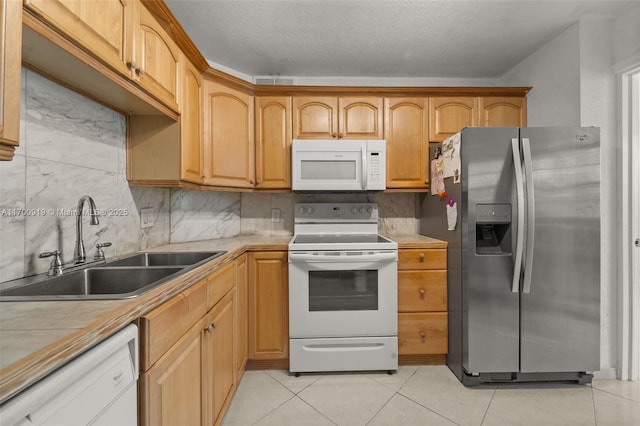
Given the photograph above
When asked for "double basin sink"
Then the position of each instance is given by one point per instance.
(118, 279)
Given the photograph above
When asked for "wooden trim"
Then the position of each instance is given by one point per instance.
(260, 90)
(268, 364)
(422, 359)
(169, 22)
(229, 81)
(6, 152)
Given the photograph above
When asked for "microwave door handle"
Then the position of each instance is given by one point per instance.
(364, 166)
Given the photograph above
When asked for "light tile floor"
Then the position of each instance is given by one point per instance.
(427, 395)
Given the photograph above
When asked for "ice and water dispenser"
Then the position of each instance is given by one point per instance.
(493, 229)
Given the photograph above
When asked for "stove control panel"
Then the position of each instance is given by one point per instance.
(333, 212)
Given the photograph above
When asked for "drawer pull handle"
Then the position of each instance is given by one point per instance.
(422, 293)
(421, 257)
(423, 335)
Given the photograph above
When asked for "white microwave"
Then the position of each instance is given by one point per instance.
(338, 165)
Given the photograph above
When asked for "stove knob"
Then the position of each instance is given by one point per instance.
(302, 210)
(354, 210)
(310, 210)
(361, 210)
(369, 210)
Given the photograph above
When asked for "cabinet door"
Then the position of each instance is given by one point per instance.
(190, 127)
(157, 58)
(449, 115)
(228, 137)
(11, 44)
(219, 359)
(242, 316)
(360, 118)
(406, 131)
(268, 306)
(503, 111)
(273, 142)
(101, 27)
(315, 117)
(171, 391)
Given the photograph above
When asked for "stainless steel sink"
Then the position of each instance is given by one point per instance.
(92, 283)
(165, 259)
(120, 279)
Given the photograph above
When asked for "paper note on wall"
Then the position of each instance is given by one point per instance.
(451, 156)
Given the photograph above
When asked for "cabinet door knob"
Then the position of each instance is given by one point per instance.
(333, 135)
(341, 135)
(209, 328)
(140, 71)
(422, 292)
(423, 335)
(421, 257)
(132, 65)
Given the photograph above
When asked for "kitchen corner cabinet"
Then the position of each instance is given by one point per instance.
(325, 117)
(10, 59)
(406, 132)
(449, 115)
(228, 136)
(269, 307)
(188, 354)
(503, 111)
(273, 142)
(122, 34)
(422, 304)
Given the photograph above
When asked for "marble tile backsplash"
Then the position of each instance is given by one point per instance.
(71, 146)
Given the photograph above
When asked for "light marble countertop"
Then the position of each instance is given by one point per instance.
(38, 337)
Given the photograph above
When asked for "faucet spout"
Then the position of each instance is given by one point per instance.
(80, 254)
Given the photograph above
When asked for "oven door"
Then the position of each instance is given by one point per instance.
(343, 294)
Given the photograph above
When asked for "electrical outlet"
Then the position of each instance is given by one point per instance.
(275, 215)
(146, 217)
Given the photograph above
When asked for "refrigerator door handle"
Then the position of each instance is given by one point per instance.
(520, 208)
(531, 215)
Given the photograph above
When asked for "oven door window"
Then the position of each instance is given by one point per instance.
(343, 290)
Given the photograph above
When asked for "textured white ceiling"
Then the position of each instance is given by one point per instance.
(378, 38)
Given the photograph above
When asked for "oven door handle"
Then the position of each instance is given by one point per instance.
(343, 258)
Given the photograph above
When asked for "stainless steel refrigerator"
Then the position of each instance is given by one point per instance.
(524, 258)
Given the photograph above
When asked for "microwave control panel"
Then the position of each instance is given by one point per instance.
(376, 165)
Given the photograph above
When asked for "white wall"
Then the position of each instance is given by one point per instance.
(573, 85)
(626, 36)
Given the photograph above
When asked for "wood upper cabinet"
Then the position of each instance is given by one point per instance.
(156, 58)
(190, 123)
(406, 132)
(325, 117)
(449, 115)
(503, 111)
(10, 57)
(268, 306)
(228, 136)
(102, 27)
(124, 35)
(273, 142)
(219, 362)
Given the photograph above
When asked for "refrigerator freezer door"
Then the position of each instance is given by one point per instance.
(560, 316)
(490, 332)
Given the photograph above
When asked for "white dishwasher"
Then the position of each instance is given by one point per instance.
(96, 388)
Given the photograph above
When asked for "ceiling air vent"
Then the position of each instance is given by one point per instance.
(274, 81)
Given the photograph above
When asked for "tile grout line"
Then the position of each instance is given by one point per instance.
(615, 395)
(293, 395)
(381, 408)
(484, 416)
(593, 404)
(427, 408)
(315, 409)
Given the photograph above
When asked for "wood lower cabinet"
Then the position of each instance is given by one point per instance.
(326, 117)
(269, 307)
(189, 352)
(422, 305)
(228, 136)
(406, 123)
(503, 111)
(10, 51)
(219, 369)
(273, 142)
(242, 316)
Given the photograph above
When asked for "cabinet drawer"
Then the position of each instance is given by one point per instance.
(422, 291)
(422, 259)
(422, 334)
(220, 282)
(163, 326)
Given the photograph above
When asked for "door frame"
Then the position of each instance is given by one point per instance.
(628, 76)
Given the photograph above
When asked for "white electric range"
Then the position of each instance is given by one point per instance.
(343, 290)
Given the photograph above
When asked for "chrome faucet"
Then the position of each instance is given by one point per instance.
(79, 254)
